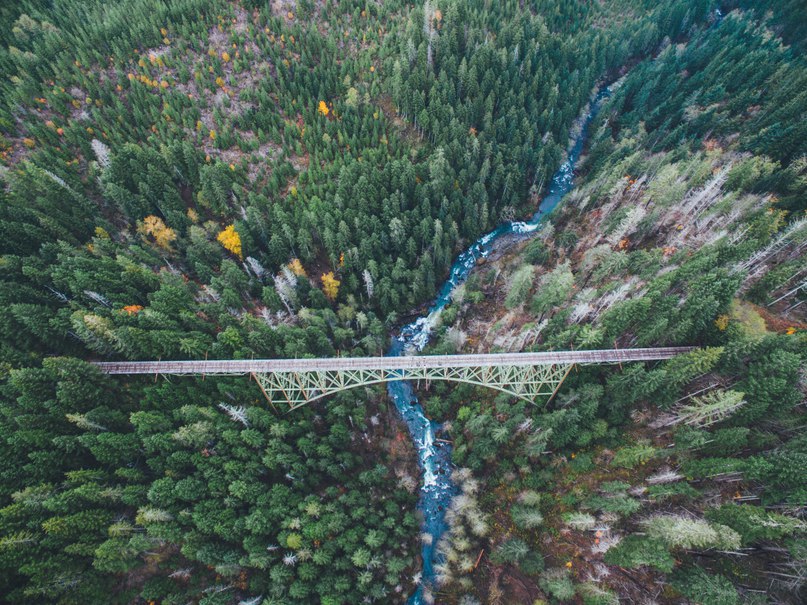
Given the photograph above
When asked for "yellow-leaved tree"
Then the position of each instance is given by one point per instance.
(297, 267)
(156, 228)
(330, 285)
(323, 108)
(231, 241)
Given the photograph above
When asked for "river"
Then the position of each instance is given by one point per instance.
(434, 456)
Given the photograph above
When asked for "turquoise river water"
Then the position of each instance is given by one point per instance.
(434, 456)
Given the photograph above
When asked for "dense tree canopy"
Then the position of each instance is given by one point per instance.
(232, 179)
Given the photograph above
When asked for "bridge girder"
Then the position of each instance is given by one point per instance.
(298, 388)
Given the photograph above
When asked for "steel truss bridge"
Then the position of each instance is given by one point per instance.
(296, 382)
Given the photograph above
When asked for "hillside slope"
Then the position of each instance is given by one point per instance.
(200, 179)
(666, 482)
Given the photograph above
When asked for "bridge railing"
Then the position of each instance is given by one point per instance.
(252, 366)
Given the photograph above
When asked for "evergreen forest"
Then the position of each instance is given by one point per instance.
(288, 179)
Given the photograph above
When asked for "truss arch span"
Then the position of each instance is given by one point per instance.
(296, 382)
(525, 382)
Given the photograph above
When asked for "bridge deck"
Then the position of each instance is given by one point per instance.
(248, 366)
